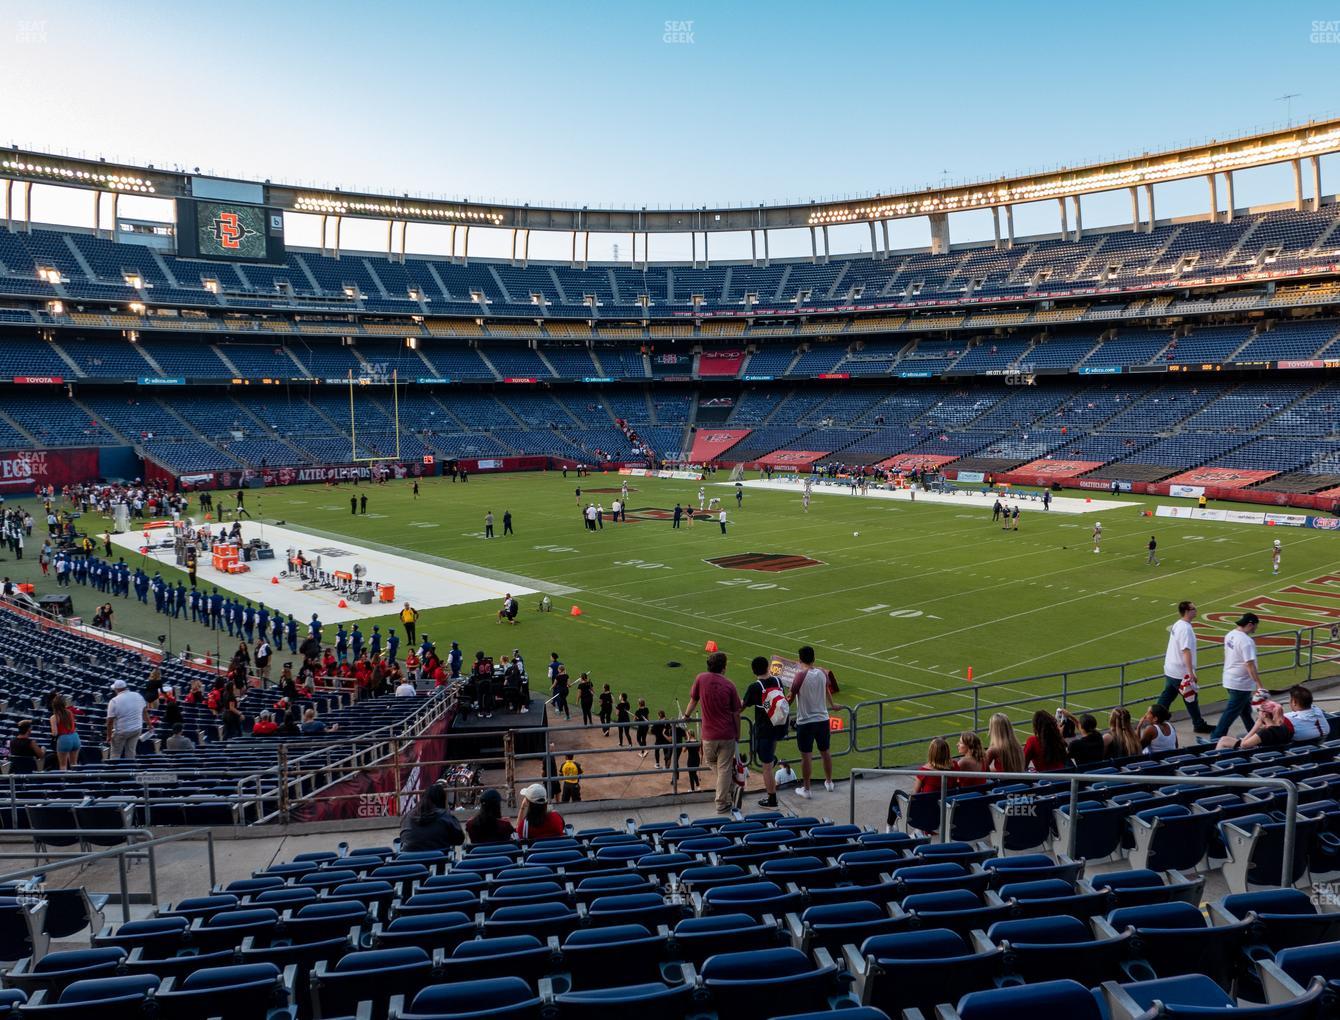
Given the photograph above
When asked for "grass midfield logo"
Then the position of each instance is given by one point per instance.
(771, 563)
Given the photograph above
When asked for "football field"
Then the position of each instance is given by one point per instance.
(899, 598)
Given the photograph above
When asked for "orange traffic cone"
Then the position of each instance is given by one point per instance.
(1088, 499)
(576, 611)
(711, 646)
(343, 604)
(969, 674)
(274, 580)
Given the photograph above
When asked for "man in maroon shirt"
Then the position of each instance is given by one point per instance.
(721, 709)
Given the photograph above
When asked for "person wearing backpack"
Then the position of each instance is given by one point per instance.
(771, 712)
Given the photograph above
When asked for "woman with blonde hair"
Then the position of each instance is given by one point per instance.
(1120, 740)
(1003, 753)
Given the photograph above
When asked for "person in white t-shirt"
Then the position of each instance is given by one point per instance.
(127, 715)
(1240, 676)
(405, 690)
(1275, 557)
(1179, 666)
(811, 698)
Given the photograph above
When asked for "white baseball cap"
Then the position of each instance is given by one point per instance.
(118, 685)
(536, 794)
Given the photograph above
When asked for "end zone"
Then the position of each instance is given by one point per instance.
(423, 585)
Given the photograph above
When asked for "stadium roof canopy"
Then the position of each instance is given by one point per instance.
(1212, 160)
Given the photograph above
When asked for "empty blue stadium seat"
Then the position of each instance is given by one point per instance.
(761, 984)
(1046, 948)
(504, 998)
(1064, 998)
(920, 969)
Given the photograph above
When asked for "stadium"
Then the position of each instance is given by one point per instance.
(919, 603)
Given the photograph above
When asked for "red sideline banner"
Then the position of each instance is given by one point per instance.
(372, 792)
(23, 470)
(283, 475)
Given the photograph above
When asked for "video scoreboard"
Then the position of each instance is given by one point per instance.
(228, 220)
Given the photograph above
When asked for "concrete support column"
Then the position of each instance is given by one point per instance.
(1009, 223)
(97, 213)
(707, 256)
(1316, 183)
(1298, 184)
(874, 244)
(1065, 221)
(1213, 181)
(1079, 218)
(390, 239)
(767, 256)
(1228, 185)
(9, 204)
(404, 230)
(339, 226)
(1149, 203)
(885, 225)
(693, 248)
(1135, 209)
(826, 249)
(646, 248)
(995, 223)
(453, 243)
(513, 259)
(586, 248)
(939, 233)
(753, 247)
(323, 233)
(573, 260)
(116, 212)
(465, 246)
(814, 246)
(525, 247)
(28, 206)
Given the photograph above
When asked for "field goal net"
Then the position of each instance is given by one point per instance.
(378, 443)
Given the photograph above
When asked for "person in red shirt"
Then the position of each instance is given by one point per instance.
(1045, 750)
(937, 762)
(535, 820)
(264, 726)
(721, 708)
(971, 758)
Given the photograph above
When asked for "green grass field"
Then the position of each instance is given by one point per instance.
(904, 609)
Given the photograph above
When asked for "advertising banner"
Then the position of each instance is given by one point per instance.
(1287, 520)
(1190, 491)
(24, 470)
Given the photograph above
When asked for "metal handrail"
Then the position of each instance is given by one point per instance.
(135, 851)
(1075, 778)
(1303, 640)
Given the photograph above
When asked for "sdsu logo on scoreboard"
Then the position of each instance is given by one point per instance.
(229, 231)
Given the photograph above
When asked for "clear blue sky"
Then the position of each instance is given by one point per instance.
(591, 104)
